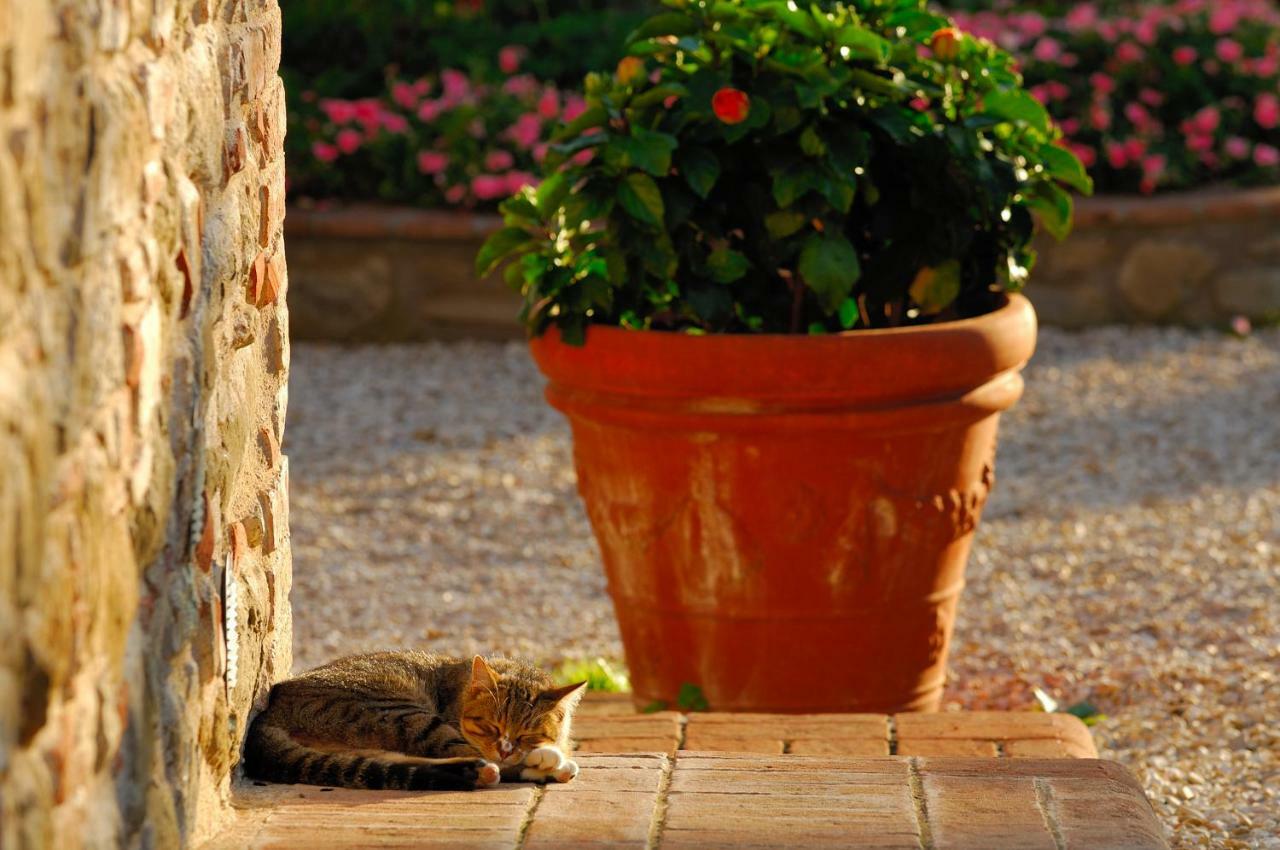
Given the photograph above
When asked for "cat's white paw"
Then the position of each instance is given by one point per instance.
(565, 772)
(545, 759)
(488, 775)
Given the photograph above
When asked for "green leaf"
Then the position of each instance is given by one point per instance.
(594, 116)
(654, 707)
(700, 169)
(658, 94)
(848, 313)
(862, 43)
(518, 209)
(935, 289)
(499, 247)
(651, 151)
(551, 193)
(691, 698)
(668, 23)
(1055, 208)
(791, 184)
(829, 266)
(1018, 106)
(1066, 167)
(811, 143)
(642, 199)
(783, 223)
(727, 265)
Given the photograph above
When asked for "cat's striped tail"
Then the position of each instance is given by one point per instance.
(272, 754)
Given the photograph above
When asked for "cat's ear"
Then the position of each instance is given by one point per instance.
(567, 697)
(482, 675)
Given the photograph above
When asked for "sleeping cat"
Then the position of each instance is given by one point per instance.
(414, 720)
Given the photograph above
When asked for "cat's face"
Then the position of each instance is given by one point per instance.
(505, 718)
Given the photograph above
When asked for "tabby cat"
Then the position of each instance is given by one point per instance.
(414, 720)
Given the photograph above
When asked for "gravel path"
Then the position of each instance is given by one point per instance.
(1130, 555)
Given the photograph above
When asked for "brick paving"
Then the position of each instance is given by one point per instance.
(710, 800)
(978, 781)
(608, 724)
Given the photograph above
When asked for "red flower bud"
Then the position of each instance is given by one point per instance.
(731, 105)
(630, 69)
(946, 44)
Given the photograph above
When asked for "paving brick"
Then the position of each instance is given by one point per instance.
(627, 745)
(960, 748)
(839, 747)
(698, 739)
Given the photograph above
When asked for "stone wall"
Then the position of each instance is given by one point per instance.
(1194, 259)
(143, 366)
(379, 274)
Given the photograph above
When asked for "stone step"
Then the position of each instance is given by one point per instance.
(610, 725)
(710, 799)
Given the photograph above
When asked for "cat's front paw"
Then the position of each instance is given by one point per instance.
(545, 759)
(488, 775)
(565, 772)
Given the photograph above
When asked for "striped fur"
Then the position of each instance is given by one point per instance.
(412, 721)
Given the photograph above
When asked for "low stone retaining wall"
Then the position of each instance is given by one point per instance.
(397, 274)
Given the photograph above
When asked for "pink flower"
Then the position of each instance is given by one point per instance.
(1135, 149)
(1266, 66)
(1241, 326)
(422, 87)
(1223, 18)
(1229, 50)
(455, 194)
(1206, 120)
(1237, 148)
(430, 110)
(1058, 90)
(1185, 55)
(1266, 156)
(1266, 110)
(1117, 156)
(1070, 126)
(1040, 93)
(367, 111)
(540, 152)
(1103, 85)
(574, 105)
(1154, 165)
(349, 140)
(432, 162)
(521, 85)
(499, 161)
(527, 130)
(405, 94)
(509, 58)
(1099, 117)
(1082, 16)
(1137, 114)
(1146, 32)
(1047, 50)
(583, 157)
(1032, 24)
(457, 88)
(1088, 156)
(1151, 97)
(1128, 53)
(517, 180)
(324, 151)
(549, 104)
(394, 122)
(338, 111)
(1198, 143)
(486, 187)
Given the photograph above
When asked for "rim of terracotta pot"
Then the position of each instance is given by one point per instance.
(972, 361)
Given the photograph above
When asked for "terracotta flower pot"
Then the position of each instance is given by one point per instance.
(784, 520)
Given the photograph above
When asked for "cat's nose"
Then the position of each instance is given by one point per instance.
(505, 748)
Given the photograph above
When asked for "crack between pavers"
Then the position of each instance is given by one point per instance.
(920, 804)
(539, 791)
(1000, 753)
(682, 726)
(1049, 812)
(659, 822)
(892, 723)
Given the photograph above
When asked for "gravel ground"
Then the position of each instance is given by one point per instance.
(1130, 555)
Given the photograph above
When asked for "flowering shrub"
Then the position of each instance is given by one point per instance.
(1155, 95)
(434, 141)
(758, 166)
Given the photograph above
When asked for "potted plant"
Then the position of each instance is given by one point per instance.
(779, 307)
